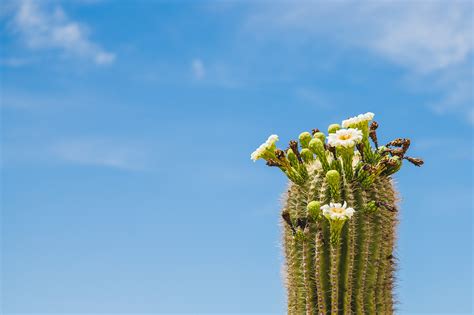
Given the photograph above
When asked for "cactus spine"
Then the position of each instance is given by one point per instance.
(339, 218)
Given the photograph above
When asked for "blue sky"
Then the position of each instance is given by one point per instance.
(127, 127)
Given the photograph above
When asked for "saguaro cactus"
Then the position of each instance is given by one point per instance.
(339, 217)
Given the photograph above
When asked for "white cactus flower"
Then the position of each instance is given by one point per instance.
(358, 119)
(347, 138)
(271, 140)
(336, 211)
(267, 145)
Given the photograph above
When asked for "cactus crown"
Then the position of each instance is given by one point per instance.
(346, 150)
(333, 267)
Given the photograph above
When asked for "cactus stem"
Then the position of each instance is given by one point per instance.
(309, 261)
(374, 249)
(294, 269)
(287, 240)
(301, 296)
(325, 227)
(380, 282)
(335, 256)
(301, 221)
(391, 198)
(363, 233)
(314, 189)
(349, 252)
(320, 268)
(291, 289)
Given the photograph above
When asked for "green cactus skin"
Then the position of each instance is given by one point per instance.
(352, 277)
(339, 218)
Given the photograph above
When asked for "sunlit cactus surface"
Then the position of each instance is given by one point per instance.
(339, 217)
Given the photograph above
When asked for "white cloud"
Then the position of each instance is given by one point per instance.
(432, 40)
(198, 69)
(100, 152)
(42, 27)
(424, 36)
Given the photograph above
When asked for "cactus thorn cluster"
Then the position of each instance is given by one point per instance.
(339, 217)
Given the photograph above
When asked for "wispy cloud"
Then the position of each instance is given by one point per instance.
(100, 152)
(198, 69)
(14, 61)
(313, 97)
(424, 36)
(217, 73)
(432, 40)
(42, 26)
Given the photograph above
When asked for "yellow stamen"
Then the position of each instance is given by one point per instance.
(338, 210)
(345, 137)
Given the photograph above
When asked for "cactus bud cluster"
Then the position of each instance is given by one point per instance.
(339, 217)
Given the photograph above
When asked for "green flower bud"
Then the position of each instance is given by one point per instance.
(305, 138)
(307, 155)
(333, 179)
(314, 209)
(333, 128)
(291, 156)
(316, 145)
(320, 136)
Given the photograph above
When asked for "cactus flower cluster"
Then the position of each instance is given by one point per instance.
(339, 217)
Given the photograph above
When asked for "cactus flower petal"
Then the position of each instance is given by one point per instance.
(337, 211)
(358, 119)
(267, 145)
(346, 138)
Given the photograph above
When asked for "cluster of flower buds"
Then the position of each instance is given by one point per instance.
(344, 155)
(387, 159)
(345, 149)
